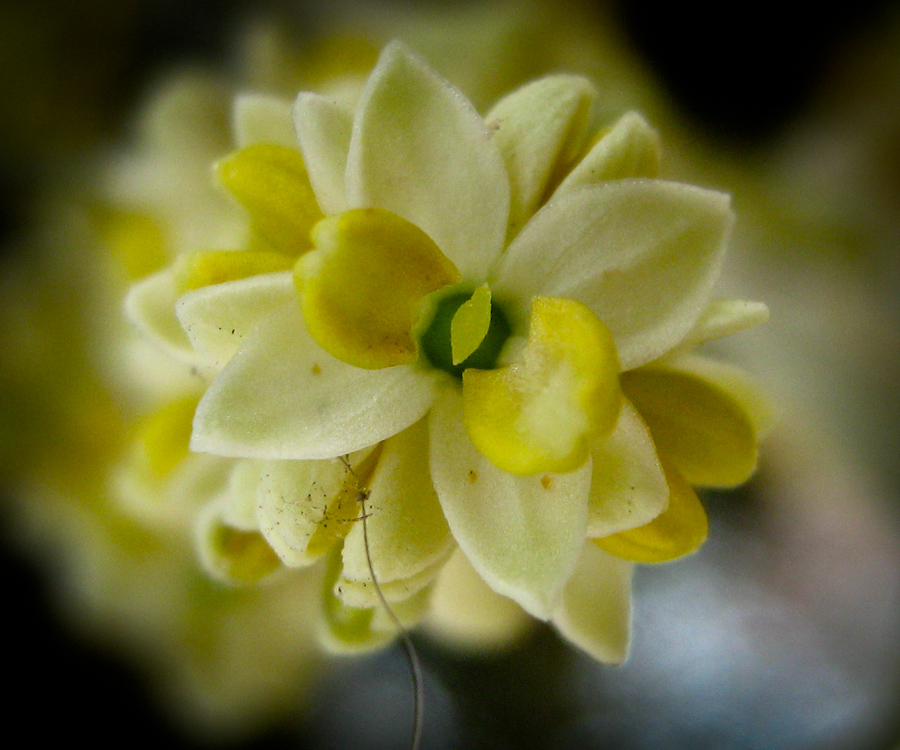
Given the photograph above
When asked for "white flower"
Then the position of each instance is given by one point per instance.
(474, 296)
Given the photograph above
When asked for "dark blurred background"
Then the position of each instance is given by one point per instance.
(72, 72)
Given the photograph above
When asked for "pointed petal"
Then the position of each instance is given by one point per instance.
(628, 486)
(595, 611)
(680, 530)
(407, 533)
(699, 426)
(218, 318)
(420, 149)
(272, 185)
(468, 614)
(323, 128)
(283, 396)
(642, 254)
(631, 148)
(539, 129)
(725, 317)
(260, 118)
(522, 534)
(150, 306)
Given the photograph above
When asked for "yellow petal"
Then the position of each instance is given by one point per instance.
(237, 557)
(470, 324)
(700, 427)
(271, 183)
(363, 284)
(208, 267)
(163, 436)
(541, 415)
(677, 531)
(136, 242)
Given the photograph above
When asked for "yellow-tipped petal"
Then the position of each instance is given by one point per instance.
(541, 415)
(470, 324)
(363, 283)
(237, 557)
(271, 183)
(702, 429)
(677, 531)
(208, 267)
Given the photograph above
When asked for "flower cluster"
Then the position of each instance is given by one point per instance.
(481, 325)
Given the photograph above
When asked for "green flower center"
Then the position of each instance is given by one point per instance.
(436, 343)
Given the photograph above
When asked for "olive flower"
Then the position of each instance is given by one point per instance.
(489, 318)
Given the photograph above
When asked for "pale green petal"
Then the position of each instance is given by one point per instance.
(595, 611)
(725, 317)
(420, 149)
(283, 396)
(296, 500)
(218, 318)
(407, 533)
(628, 486)
(539, 129)
(631, 148)
(232, 555)
(642, 254)
(468, 614)
(150, 306)
(323, 128)
(260, 118)
(523, 534)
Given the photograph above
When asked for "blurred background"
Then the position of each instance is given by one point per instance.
(784, 631)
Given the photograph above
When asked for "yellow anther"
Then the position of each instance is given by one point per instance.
(363, 285)
(271, 183)
(540, 415)
(706, 433)
(470, 324)
(207, 267)
(677, 531)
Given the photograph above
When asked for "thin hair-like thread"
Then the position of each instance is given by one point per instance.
(412, 656)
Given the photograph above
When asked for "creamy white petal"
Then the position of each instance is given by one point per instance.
(218, 318)
(407, 532)
(421, 150)
(469, 614)
(239, 497)
(595, 611)
(539, 129)
(283, 396)
(260, 118)
(523, 534)
(642, 254)
(150, 306)
(631, 148)
(628, 486)
(323, 128)
(293, 499)
(725, 317)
